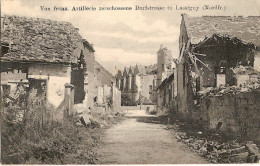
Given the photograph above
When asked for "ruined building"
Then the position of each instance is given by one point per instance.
(51, 57)
(136, 84)
(216, 82)
(164, 64)
(212, 58)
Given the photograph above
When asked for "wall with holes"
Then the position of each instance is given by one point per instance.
(238, 114)
(56, 76)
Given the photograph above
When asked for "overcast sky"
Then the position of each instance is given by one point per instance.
(124, 38)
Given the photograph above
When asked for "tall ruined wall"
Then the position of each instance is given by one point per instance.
(238, 113)
(147, 83)
(164, 63)
(91, 81)
(184, 91)
(183, 38)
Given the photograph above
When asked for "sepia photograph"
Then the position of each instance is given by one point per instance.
(111, 82)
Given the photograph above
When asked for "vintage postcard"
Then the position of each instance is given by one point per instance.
(130, 81)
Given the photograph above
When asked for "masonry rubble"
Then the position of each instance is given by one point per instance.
(216, 151)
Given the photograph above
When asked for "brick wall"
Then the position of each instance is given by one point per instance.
(239, 113)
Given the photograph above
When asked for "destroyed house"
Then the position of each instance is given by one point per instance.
(217, 56)
(209, 48)
(46, 55)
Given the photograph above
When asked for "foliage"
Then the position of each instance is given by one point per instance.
(126, 100)
(30, 136)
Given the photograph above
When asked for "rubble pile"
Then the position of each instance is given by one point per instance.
(34, 39)
(242, 70)
(95, 119)
(219, 152)
(252, 83)
(221, 90)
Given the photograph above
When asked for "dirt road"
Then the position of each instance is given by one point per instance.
(133, 142)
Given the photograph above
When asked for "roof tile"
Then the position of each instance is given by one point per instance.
(245, 28)
(36, 39)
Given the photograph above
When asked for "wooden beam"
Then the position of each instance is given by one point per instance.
(193, 60)
(199, 54)
(182, 52)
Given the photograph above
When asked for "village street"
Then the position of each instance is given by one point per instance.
(176, 89)
(134, 142)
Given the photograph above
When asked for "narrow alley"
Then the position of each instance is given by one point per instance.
(134, 142)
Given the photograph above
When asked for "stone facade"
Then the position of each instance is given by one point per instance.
(164, 64)
(36, 48)
(108, 95)
(237, 113)
(50, 55)
(136, 84)
(214, 83)
(206, 64)
(166, 95)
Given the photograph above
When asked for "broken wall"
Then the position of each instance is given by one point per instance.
(10, 79)
(238, 113)
(184, 97)
(164, 63)
(147, 85)
(56, 77)
(90, 81)
(222, 52)
(183, 100)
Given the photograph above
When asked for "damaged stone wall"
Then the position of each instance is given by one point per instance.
(147, 84)
(56, 76)
(90, 82)
(239, 113)
(164, 63)
(185, 94)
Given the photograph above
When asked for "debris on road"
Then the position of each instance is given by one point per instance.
(218, 152)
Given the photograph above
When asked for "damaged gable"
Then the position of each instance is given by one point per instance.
(225, 51)
(212, 58)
